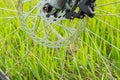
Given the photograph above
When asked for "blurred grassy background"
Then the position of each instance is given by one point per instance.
(94, 56)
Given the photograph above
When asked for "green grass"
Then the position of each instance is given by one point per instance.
(94, 56)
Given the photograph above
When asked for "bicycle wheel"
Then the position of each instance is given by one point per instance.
(92, 50)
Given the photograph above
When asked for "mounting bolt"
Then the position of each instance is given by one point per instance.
(47, 8)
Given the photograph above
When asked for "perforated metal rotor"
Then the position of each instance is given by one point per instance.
(48, 31)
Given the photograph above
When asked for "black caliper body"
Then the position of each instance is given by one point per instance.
(86, 7)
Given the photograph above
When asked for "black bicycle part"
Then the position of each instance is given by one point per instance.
(3, 76)
(86, 7)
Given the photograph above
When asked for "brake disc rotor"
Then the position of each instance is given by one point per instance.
(48, 30)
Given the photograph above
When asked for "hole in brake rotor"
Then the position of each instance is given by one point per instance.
(68, 7)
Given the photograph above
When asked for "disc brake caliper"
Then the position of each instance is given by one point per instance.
(86, 7)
